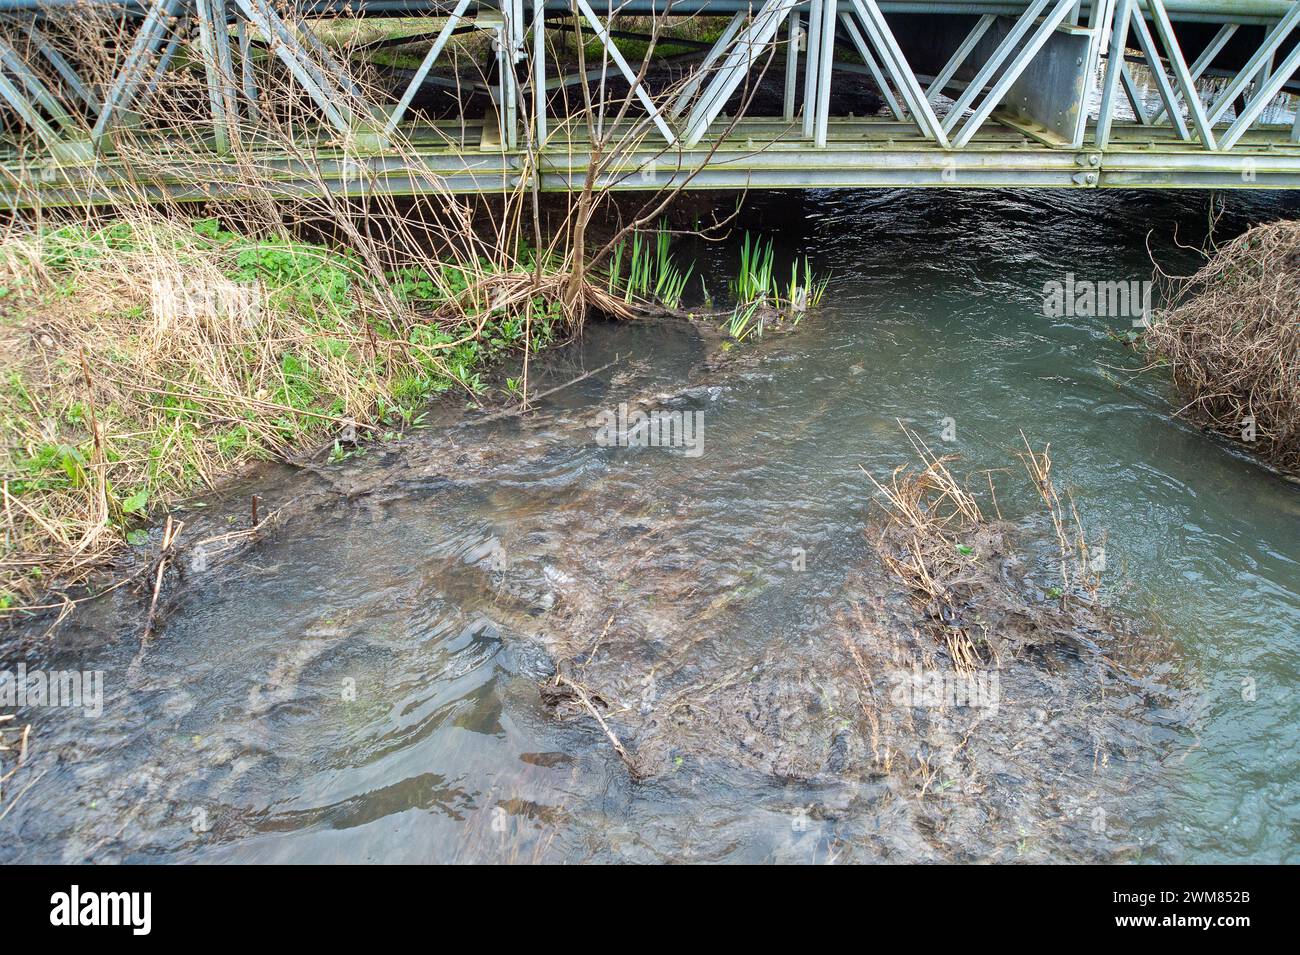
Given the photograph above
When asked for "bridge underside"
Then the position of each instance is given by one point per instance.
(196, 99)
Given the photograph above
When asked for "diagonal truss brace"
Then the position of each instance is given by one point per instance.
(1151, 54)
(873, 67)
(125, 85)
(67, 72)
(607, 43)
(13, 62)
(1014, 66)
(17, 97)
(1174, 54)
(426, 64)
(339, 106)
(715, 51)
(1198, 68)
(1268, 89)
(958, 57)
(898, 69)
(735, 67)
(1255, 64)
(1134, 97)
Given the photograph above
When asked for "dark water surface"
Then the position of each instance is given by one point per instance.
(362, 685)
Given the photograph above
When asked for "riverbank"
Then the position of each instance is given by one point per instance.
(150, 357)
(1230, 337)
(146, 358)
(362, 681)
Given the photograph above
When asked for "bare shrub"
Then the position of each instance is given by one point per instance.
(1231, 336)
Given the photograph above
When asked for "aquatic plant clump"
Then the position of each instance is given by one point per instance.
(1231, 337)
(763, 298)
(970, 576)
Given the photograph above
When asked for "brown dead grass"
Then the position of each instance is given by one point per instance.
(1231, 336)
(953, 559)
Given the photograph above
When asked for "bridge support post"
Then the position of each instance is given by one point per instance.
(1011, 57)
(810, 67)
(1114, 70)
(794, 37)
(1100, 18)
(1040, 89)
(825, 62)
(539, 71)
(214, 43)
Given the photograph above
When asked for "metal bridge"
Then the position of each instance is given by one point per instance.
(176, 97)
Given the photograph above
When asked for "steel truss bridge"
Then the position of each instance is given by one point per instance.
(969, 93)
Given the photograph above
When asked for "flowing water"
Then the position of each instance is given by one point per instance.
(363, 683)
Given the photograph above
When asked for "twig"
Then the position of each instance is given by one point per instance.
(580, 693)
(15, 800)
(171, 530)
(512, 412)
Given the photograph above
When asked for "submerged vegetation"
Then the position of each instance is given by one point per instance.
(1231, 336)
(957, 562)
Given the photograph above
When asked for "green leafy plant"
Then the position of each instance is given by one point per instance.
(653, 275)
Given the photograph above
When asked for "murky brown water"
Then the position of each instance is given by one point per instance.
(363, 684)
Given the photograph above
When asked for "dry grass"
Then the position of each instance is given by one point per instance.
(950, 556)
(1231, 336)
(933, 514)
(144, 359)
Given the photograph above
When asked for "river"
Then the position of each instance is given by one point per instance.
(362, 685)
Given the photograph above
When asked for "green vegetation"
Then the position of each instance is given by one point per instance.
(652, 274)
(762, 298)
(144, 359)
